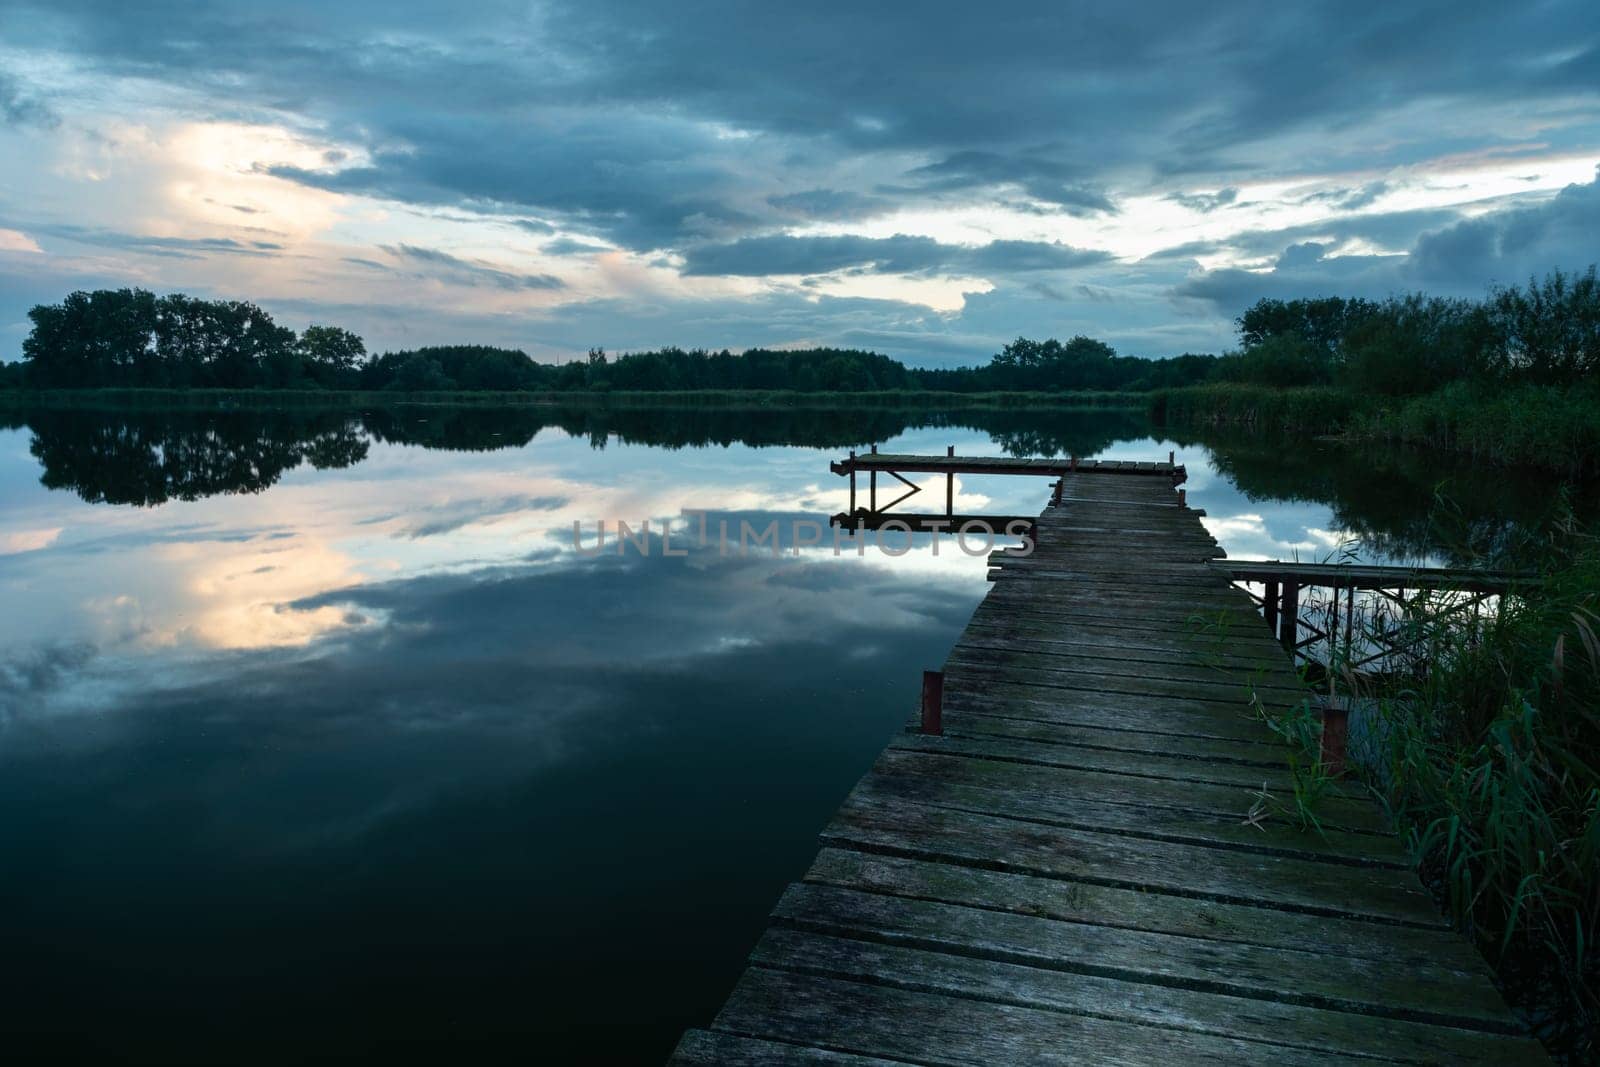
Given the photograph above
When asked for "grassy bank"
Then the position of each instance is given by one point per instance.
(1551, 427)
(1314, 410)
(1546, 427)
(211, 399)
(1486, 749)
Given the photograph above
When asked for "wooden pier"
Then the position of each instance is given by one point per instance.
(1090, 864)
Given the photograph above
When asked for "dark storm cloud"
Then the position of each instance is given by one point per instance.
(1393, 230)
(1462, 258)
(567, 246)
(900, 254)
(20, 106)
(1049, 180)
(605, 114)
(176, 247)
(699, 132)
(836, 205)
(1350, 199)
(1206, 201)
(469, 272)
(1508, 246)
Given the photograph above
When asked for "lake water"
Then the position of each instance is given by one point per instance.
(318, 740)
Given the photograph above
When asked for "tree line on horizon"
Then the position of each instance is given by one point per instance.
(1547, 333)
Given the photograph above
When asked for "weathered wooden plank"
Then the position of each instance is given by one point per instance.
(1264, 753)
(1051, 898)
(931, 1028)
(870, 821)
(1114, 657)
(1088, 709)
(1425, 993)
(1339, 798)
(713, 1048)
(1114, 676)
(1270, 1022)
(958, 687)
(1175, 768)
(950, 784)
(1118, 639)
(1242, 694)
(1113, 786)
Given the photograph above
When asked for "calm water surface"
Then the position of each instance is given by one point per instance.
(319, 741)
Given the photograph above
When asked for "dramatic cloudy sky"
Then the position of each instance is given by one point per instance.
(926, 179)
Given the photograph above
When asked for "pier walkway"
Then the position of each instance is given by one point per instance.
(1093, 864)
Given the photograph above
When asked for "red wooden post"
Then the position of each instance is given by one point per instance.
(1183, 497)
(1074, 462)
(933, 702)
(1335, 733)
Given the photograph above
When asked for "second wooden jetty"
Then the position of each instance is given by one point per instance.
(1090, 864)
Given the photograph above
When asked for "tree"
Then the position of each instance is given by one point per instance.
(101, 338)
(331, 356)
(421, 372)
(1550, 332)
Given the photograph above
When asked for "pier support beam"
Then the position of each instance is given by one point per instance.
(852, 481)
(872, 485)
(1289, 621)
(950, 485)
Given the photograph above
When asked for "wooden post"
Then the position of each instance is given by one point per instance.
(872, 487)
(1183, 498)
(852, 482)
(1074, 462)
(1335, 735)
(933, 703)
(1172, 459)
(1289, 621)
(1350, 619)
(1269, 606)
(1333, 635)
(1055, 491)
(950, 486)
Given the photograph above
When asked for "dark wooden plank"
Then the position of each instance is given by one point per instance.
(1175, 768)
(959, 687)
(1425, 993)
(889, 825)
(1168, 678)
(1269, 1022)
(1115, 657)
(953, 784)
(966, 721)
(928, 1028)
(1115, 787)
(1244, 691)
(1400, 947)
(1091, 710)
(712, 1048)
